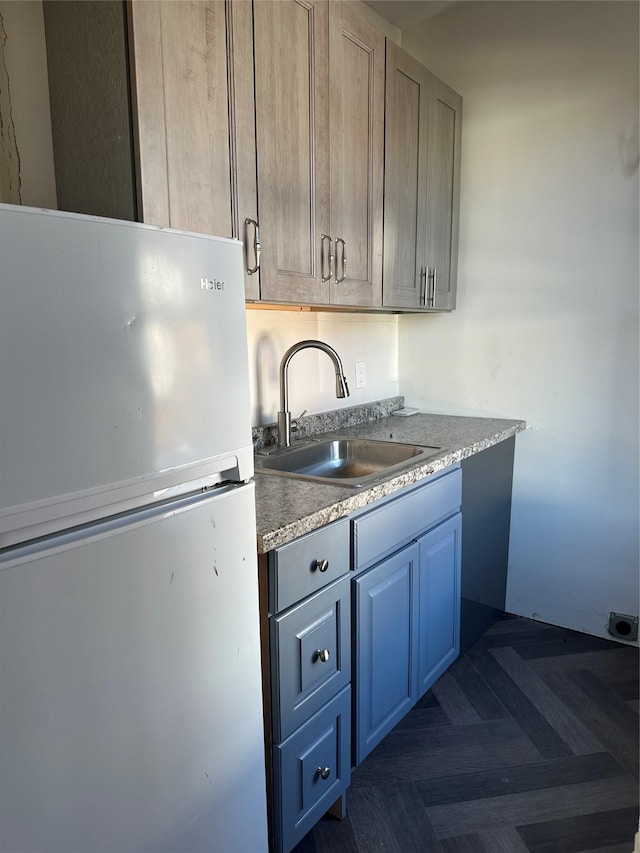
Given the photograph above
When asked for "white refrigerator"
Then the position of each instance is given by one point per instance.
(130, 682)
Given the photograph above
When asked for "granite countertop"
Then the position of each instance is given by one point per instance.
(288, 508)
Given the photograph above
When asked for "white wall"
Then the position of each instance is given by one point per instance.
(372, 339)
(547, 324)
(24, 107)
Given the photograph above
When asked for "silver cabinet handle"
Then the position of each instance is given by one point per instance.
(423, 285)
(256, 245)
(321, 565)
(323, 655)
(431, 299)
(323, 772)
(331, 255)
(344, 260)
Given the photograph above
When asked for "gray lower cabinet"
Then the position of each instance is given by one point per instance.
(310, 676)
(406, 606)
(364, 616)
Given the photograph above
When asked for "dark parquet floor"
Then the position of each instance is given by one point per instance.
(527, 744)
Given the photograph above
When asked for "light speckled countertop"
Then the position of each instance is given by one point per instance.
(288, 508)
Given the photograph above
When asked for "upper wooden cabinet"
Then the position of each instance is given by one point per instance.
(192, 84)
(423, 120)
(319, 72)
(292, 129)
(274, 122)
(443, 194)
(356, 54)
(181, 97)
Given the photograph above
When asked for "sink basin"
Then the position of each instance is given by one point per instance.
(342, 461)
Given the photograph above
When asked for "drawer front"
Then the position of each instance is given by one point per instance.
(311, 770)
(311, 655)
(305, 565)
(386, 528)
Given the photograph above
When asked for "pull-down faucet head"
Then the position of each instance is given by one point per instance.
(284, 415)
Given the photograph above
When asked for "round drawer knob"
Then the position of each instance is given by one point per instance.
(324, 772)
(322, 565)
(323, 655)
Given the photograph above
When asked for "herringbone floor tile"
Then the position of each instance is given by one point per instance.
(527, 744)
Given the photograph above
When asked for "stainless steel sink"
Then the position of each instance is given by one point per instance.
(342, 461)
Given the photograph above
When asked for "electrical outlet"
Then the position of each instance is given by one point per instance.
(361, 374)
(623, 626)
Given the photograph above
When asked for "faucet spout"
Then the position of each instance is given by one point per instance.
(284, 415)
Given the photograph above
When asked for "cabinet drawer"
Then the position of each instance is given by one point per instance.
(307, 564)
(302, 795)
(386, 528)
(311, 655)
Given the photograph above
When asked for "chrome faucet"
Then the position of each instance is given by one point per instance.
(284, 415)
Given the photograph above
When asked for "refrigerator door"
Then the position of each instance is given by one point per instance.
(123, 367)
(131, 702)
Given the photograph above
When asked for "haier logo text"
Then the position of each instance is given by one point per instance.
(211, 284)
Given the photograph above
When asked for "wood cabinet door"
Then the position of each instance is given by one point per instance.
(438, 592)
(292, 131)
(385, 650)
(444, 117)
(356, 60)
(405, 180)
(193, 96)
(179, 63)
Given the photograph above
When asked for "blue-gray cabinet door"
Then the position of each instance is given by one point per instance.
(311, 656)
(386, 616)
(312, 768)
(439, 600)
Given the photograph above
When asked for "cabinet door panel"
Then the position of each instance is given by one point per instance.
(303, 680)
(422, 186)
(357, 126)
(180, 72)
(292, 125)
(443, 180)
(405, 180)
(301, 793)
(192, 82)
(439, 597)
(386, 619)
